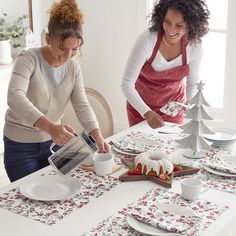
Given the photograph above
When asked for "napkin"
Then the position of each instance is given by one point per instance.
(220, 164)
(172, 108)
(128, 145)
(163, 219)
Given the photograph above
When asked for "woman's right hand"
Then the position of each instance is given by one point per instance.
(153, 119)
(61, 134)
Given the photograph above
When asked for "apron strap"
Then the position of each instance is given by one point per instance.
(183, 47)
(159, 39)
(157, 45)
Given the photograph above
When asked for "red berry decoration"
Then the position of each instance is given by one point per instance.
(133, 170)
(178, 168)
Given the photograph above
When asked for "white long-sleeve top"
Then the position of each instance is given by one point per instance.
(141, 52)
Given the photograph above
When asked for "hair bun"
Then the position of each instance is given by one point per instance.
(67, 11)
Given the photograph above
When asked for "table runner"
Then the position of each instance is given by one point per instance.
(51, 212)
(117, 224)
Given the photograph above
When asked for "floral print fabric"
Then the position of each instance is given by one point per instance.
(52, 212)
(217, 163)
(130, 143)
(206, 211)
(163, 219)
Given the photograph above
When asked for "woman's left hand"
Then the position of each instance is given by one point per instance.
(102, 144)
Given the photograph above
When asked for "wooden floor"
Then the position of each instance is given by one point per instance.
(3, 176)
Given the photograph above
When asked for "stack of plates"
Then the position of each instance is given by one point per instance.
(222, 138)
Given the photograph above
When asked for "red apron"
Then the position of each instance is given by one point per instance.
(157, 88)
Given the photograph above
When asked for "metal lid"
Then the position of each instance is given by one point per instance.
(89, 140)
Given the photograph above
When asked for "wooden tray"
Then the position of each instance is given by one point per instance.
(165, 183)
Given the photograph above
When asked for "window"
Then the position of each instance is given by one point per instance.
(214, 44)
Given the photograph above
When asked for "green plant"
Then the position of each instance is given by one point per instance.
(10, 31)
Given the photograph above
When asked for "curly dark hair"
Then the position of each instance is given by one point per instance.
(195, 14)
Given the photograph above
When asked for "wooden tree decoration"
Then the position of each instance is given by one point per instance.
(195, 128)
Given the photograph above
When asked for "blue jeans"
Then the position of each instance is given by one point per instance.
(21, 159)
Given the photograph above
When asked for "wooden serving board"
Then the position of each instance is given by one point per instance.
(165, 183)
(125, 177)
(91, 168)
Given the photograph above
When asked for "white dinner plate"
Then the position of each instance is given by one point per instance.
(174, 129)
(50, 188)
(151, 230)
(221, 135)
(218, 172)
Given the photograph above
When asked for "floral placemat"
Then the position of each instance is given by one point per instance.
(215, 182)
(51, 212)
(134, 143)
(212, 181)
(217, 161)
(117, 224)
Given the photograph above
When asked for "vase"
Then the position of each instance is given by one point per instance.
(5, 52)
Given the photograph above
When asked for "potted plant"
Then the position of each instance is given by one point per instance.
(9, 33)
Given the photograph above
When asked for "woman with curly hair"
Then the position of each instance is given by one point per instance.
(42, 83)
(164, 63)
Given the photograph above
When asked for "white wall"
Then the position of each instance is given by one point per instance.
(110, 29)
(14, 8)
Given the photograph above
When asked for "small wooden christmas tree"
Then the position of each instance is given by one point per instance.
(196, 127)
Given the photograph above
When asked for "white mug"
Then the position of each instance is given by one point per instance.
(103, 163)
(191, 188)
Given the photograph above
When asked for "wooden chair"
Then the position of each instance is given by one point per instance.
(101, 110)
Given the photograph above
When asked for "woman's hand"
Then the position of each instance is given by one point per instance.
(61, 134)
(102, 144)
(153, 119)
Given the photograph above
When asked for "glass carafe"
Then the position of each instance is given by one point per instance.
(67, 158)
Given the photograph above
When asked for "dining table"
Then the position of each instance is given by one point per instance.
(102, 203)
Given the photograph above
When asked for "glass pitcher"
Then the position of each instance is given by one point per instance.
(67, 158)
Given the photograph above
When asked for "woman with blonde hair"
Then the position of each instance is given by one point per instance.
(42, 83)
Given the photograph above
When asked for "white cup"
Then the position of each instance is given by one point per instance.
(191, 188)
(103, 163)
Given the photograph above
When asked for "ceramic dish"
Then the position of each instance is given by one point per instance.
(174, 129)
(221, 135)
(218, 172)
(50, 188)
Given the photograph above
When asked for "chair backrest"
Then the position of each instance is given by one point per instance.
(100, 108)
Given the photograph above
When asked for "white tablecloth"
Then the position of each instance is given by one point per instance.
(90, 215)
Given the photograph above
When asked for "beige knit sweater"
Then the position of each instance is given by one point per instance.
(29, 98)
